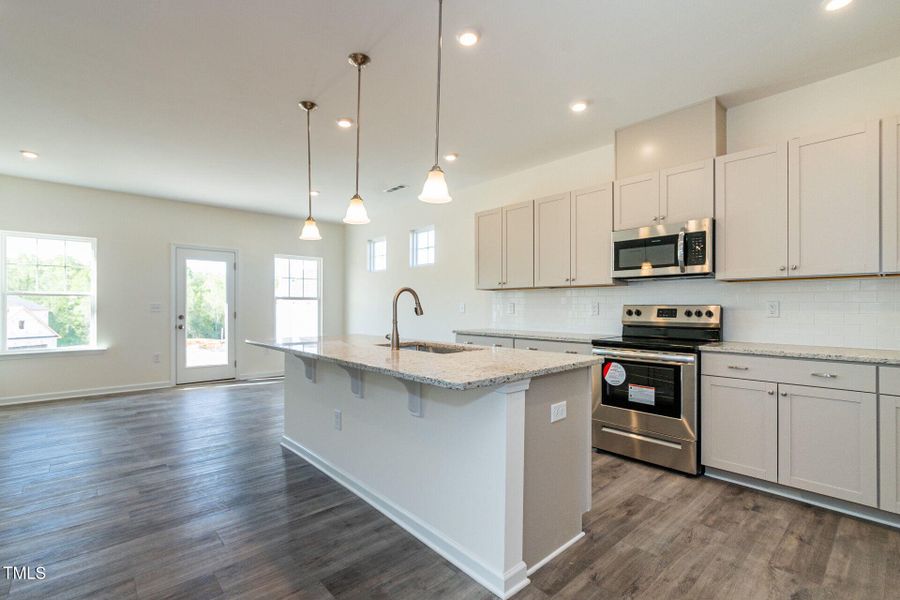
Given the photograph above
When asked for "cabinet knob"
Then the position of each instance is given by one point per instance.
(783, 394)
(793, 267)
(782, 268)
(771, 392)
(655, 219)
(662, 217)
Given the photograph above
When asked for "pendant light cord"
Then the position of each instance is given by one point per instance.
(308, 166)
(358, 95)
(437, 118)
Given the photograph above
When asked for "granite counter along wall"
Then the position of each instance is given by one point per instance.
(862, 312)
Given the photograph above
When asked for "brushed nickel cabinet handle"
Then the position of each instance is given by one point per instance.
(571, 351)
(771, 392)
(825, 375)
(531, 348)
(782, 268)
(793, 267)
(783, 394)
(738, 368)
(497, 345)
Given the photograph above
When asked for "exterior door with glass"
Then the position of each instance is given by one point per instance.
(204, 315)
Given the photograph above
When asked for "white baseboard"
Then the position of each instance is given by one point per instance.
(503, 585)
(85, 393)
(842, 506)
(555, 553)
(261, 375)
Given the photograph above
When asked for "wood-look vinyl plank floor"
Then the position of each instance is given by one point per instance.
(186, 493)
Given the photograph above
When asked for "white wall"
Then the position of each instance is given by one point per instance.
(850, 312)
(135, 235)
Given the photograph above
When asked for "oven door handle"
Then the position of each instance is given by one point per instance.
(681, 250)
(647, 357)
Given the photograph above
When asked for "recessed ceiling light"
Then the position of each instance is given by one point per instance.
(578, 106)
(314, 193)
(451, 157)
(467, 37)
(28, 154)
(833, 5)
(345, 122)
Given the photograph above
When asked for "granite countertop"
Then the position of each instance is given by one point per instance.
(861, 355)
(548, 336)
(475, 367)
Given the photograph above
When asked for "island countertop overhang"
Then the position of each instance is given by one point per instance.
(475, 367)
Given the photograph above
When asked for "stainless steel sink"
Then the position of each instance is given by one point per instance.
(432, 347)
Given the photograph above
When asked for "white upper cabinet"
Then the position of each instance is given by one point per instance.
(833, 202)
(636, 201)
(668, 196)
(687, 192)
(518, 245)
(752, 214)
(890, 190)
(552, 244)
(489, 249)
(592, 214)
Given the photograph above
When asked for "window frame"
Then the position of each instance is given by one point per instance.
(92, 294)
(320, 297)
(413, 246)
(370, 256)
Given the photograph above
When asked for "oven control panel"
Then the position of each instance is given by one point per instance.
(704, 315)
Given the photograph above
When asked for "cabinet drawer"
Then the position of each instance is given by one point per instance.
(889, 380)
(548, 346)
(485, 340)
(817, 373)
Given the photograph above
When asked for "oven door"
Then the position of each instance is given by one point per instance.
(664, 250)
(648, 391)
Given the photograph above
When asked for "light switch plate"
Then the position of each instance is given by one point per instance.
(462, 307)
(773, 309)
(338, 419)
(557, 411)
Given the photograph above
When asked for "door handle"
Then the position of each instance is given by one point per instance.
(681, 250)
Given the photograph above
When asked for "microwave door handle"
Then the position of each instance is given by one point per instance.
(681, 250)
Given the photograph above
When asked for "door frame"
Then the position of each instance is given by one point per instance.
(173, 300)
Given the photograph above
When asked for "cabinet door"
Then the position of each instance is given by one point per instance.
(752, 214)
(592, 213)
(687, 192)
(489, 249)
(739, 427)
(827, 442)
(518, 245)
(552, 243)
(636, 201)
(833, 203)
(890, 190)
(890, 452)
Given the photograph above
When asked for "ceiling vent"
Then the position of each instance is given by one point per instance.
(396, 188)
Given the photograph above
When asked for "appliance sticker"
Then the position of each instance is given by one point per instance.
(642, 394)
(614, 373)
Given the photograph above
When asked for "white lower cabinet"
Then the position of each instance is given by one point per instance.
(739, 426)
(484, 340)
(888, 438)
(828, 442)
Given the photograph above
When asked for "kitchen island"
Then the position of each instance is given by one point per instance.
(457, 444)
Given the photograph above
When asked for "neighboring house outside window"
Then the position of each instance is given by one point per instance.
(47, 291)
(298, 297)
(421, 247)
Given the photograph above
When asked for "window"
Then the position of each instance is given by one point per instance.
(421, 247)
(378, 254)
(49, 292)
(298, 297)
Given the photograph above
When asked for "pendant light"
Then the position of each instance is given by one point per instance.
(310, 231)
(356, 212)
(435, 189)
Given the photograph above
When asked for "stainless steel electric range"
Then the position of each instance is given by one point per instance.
(649, 405)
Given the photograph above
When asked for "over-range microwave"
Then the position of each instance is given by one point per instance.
(682, 249)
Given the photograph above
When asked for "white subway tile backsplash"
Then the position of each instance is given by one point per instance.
(862, 313)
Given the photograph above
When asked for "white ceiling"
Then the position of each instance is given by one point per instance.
(196, 100)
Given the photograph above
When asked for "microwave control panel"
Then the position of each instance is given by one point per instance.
(695, 248)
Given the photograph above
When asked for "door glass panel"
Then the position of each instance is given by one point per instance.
(206, 313)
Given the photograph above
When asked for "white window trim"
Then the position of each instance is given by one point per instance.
(413, 250)
(91, 347)
(370, 254)
(321, 288)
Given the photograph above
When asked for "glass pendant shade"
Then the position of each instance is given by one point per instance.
(435, 189)
(356, 212)
(310, 231)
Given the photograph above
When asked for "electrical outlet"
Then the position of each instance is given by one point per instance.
(155, 307)
(557, 411)
(773, 309)
(156, 358)
(511, 308)
(462, 307)
(338, 419)
(595, 309)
